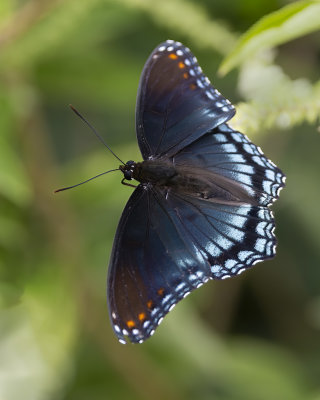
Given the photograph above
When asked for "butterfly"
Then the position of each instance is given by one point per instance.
(201, 208)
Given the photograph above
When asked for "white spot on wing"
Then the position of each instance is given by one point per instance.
(200, 84)
(260, 245)
(230, 263)
(146, 324)
(180, 286)
(200, 274)
(154, 311)
(215, 268)
(166, 298)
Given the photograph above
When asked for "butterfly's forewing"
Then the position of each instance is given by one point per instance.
(168, 244)
(231, 154)
(176, 102)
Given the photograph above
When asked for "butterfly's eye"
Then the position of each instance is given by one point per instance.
(127, 175)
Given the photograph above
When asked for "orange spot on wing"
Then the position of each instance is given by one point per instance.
(131, 324)
(185, 75)
(181, 65)
(160, 291)
(150, 304)
(142, 316)
(192, 86)
(173, 56)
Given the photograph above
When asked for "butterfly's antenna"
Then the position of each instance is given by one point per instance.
(81, 183)
(94, 131)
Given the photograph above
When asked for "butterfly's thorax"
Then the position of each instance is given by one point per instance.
(189, 180)
(158, 172)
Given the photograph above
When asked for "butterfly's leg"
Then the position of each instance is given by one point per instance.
(128, 184)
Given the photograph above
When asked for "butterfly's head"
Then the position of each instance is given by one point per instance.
(127, 169)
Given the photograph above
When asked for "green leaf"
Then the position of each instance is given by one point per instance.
(288, 23)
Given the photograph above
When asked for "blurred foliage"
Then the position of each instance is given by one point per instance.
(251, 337)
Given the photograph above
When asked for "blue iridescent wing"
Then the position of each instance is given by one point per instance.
(176, 104)
(231, 237)
(168, 244)
(231, 154)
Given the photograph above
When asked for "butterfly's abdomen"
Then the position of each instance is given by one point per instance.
(190, 180)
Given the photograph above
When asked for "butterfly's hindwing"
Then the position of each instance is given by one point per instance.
(229, 153)
(176, 102)
(169, 244)
(231, 237)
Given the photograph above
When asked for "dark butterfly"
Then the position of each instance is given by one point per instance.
(200, 211)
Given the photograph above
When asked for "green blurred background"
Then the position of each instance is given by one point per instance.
(252, 337)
